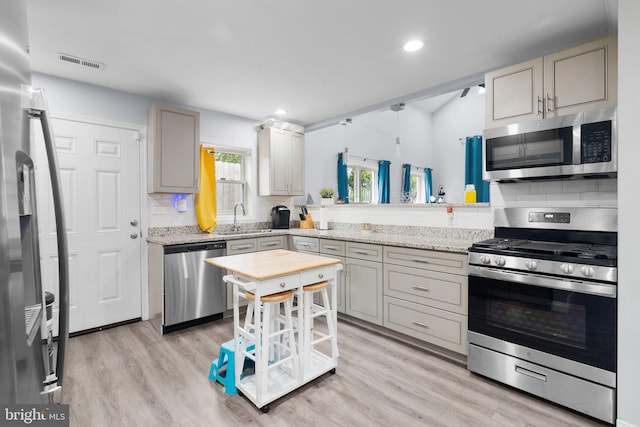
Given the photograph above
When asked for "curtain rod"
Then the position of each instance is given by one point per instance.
(364, 159)
(418, 167)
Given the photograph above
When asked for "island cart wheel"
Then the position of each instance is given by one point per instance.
(265, 409)
(333, 371)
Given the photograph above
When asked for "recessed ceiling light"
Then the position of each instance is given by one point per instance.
(413, 45)
(281, 112)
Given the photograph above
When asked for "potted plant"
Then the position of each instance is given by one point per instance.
(327, 196)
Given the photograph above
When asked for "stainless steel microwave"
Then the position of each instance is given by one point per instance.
(572, 146)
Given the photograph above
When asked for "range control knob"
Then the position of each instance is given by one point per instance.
(587, 271)
(566, 268)
(500, 261)
(531, 264)
(485, 259)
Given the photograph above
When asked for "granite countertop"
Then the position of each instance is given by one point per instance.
(458, 242)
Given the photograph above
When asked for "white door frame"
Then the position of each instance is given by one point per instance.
(144, 227)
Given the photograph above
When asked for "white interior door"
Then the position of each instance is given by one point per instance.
(99, 173)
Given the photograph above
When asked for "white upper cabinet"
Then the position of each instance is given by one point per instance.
(173, 145)
(280, 162)
(578, 79)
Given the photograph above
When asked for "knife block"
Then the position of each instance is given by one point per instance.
(307, 222)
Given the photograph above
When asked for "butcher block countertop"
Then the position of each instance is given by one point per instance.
(270, 264)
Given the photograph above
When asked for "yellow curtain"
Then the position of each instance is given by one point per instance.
(206, 198)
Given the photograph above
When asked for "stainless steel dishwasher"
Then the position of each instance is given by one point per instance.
(194, 291)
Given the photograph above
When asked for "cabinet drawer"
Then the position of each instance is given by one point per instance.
(279, 284)
(269, 243)
(445, 262)
(442, 290)
(364, 251)
(241, 246)
(439, 327)
(305, 244)
(333, 247)
(318, 275)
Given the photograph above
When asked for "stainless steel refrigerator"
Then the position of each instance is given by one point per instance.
(31, 365)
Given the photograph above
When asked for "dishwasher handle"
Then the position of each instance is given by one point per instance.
(194, 247)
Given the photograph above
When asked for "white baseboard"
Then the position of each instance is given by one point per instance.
(620, 423)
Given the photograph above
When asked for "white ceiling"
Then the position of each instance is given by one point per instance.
(319, 60)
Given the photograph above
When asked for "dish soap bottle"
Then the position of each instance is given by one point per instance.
(470, 193)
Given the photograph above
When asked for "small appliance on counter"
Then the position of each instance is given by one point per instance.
(280, 216)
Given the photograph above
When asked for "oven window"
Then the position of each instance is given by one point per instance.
(560, 322)
(567, 324)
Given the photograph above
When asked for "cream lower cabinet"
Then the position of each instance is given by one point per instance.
(571, 81)
(425, 296)
(244, 246)
(329, 248)
(363, 290)
(336, 249)
(304, 244)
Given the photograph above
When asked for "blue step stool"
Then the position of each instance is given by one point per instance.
(223, 369)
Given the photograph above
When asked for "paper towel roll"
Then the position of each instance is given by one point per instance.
(324, 225)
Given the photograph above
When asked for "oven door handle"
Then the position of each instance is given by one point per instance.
(599, 289)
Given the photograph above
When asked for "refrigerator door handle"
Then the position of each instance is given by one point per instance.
(54, 382)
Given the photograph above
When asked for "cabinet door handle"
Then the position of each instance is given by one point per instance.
(244, 247)
(331, 248)
(540, 102)
(270, 244)
(283, 284)
(362, 252)
(421, 288)
(549, 101)
(421, 261)
(424, 325)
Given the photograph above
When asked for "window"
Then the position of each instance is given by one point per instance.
(230, 180)
(417, 187)
(363, 182)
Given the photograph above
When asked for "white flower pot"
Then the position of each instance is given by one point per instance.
(326, 202)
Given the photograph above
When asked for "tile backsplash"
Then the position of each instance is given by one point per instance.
(578, 192)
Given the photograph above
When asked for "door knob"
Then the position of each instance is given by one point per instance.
(134, 222)
(134, 235)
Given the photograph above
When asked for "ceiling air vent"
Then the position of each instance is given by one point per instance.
(80, 61)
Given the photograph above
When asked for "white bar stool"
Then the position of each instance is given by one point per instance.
(311, 336)
(278, 340)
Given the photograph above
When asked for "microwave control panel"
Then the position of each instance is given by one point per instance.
(596, 142)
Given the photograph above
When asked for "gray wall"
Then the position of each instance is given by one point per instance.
(371, 135)
(429, 139)
(72, 97)
(629, 205)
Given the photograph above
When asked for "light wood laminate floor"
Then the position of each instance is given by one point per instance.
(131, 376)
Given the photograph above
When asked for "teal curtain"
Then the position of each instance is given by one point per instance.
(473, 168)
(343, 181)
(383, 181)
(406, 183)
(428, 186)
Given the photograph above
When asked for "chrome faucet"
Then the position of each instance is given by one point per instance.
(236, 226)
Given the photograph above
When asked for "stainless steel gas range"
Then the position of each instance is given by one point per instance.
(542, 305)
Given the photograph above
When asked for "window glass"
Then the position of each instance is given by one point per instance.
(417, 187)
(362, 181)
(230, 180)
